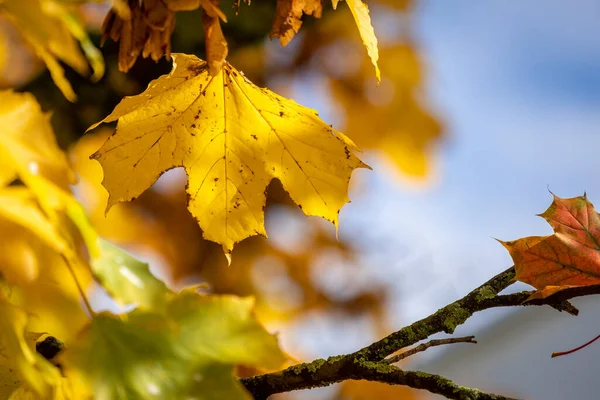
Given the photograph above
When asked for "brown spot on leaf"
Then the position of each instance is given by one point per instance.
(196, 68)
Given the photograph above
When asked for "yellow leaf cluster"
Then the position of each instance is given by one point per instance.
(39, 248)
(232, 138)
(52, 29)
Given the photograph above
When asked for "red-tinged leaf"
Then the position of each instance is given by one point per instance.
(575, 218)
(569, 257)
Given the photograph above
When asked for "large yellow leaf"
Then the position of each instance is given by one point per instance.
(27, 143)
(232, 138)
(360, 12)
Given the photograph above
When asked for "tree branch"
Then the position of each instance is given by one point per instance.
(385, 373)
(425, 346)
(422, 380)
(322, 372)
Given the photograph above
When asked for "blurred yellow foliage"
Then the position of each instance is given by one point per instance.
(389, 119)
(27, 143)
(365, 390)
(51, 29)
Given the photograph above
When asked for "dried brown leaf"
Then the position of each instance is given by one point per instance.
(215, 43)
(288, 17)
(147, 32)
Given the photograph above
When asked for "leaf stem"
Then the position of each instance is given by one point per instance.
(564, 353)
(88, 306)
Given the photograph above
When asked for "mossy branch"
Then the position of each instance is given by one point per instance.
(422, 380)
(368, 363)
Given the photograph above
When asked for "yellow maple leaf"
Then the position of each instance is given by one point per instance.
(232, 138)
(27, 143)
(360, 12)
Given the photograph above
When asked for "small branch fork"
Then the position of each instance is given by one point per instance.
(370, 363)
(425, 346)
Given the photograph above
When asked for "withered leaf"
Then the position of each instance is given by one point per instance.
(147, 31)
(215, 43)
(570, 257)
(288, 17)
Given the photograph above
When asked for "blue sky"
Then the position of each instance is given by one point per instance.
(518, 87)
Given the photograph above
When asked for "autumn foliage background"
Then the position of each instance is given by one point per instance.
(462, 149)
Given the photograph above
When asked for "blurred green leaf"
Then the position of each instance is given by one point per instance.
(133, 358)
(224, 329)
(126, 278)
(187, 352)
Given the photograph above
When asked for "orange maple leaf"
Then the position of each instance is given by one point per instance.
(570, 257)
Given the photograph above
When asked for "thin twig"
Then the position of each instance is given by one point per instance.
(88, 306)
(564, 353)
(425, 346)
